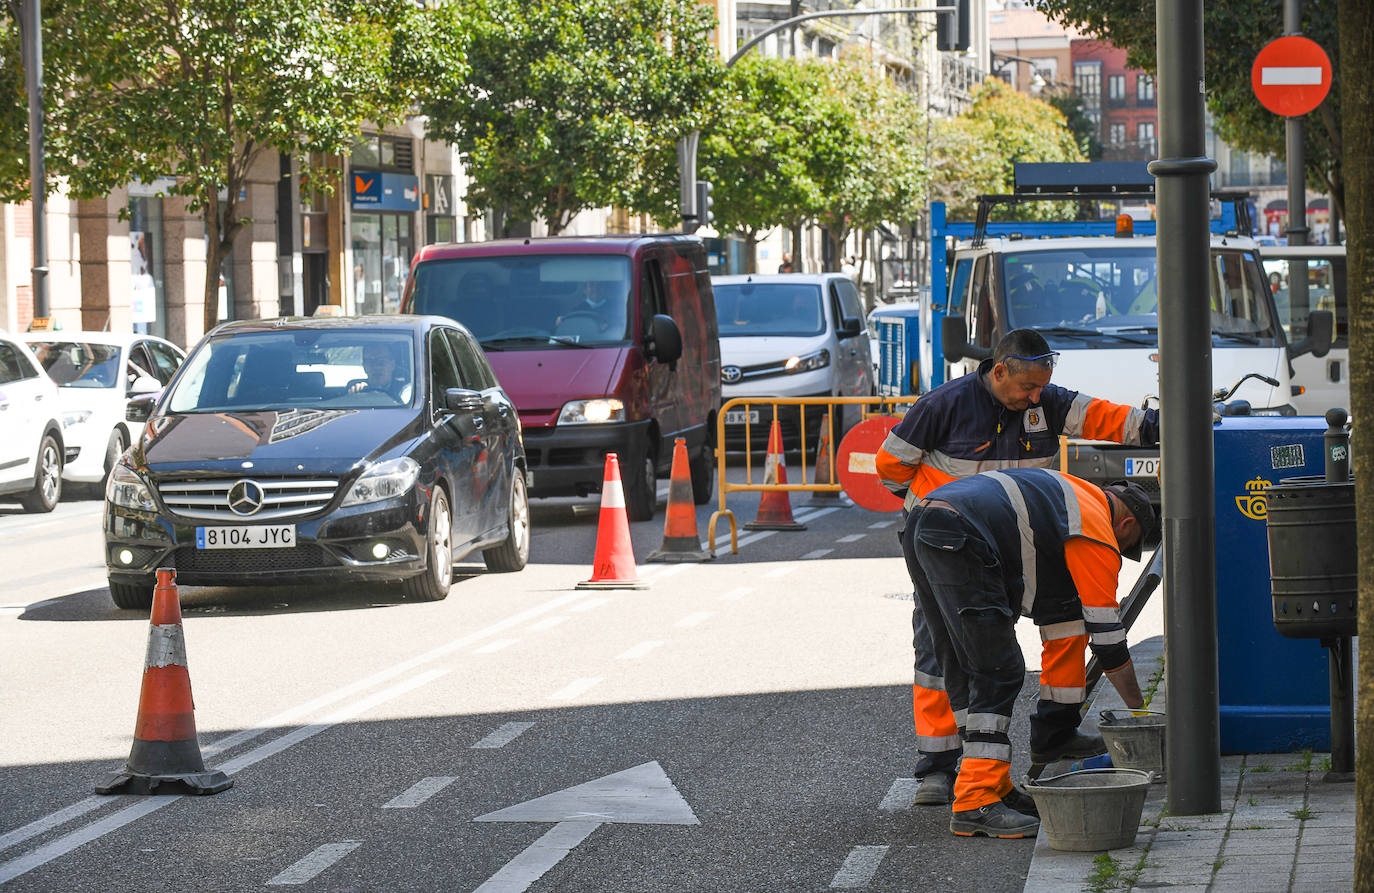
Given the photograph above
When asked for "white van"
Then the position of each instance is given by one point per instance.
(790, 335)
(1324, 381)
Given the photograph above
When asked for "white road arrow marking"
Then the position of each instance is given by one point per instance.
(643, 795)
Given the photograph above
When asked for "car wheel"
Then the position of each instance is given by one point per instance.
(703, 469)
(433, 582)
(47, 486)
(641, 487)
(514, 552)
(132, 596)
(113, 450)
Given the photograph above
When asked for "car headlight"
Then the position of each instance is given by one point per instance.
(75, 417)
(127, 490)
(592, 412)
(383, 481)
(818, 360)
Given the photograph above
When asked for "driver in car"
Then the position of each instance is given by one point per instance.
(594, 311)
(380, 365)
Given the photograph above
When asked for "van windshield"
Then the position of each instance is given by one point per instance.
(530, 301)
(1107, 296)
(769, 308)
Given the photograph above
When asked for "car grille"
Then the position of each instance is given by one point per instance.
(254, 561)
(209, 499)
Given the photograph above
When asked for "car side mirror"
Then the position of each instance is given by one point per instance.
(144, 384)
(850, 326)
(140, 408)
(462, 400)
(1321, 327)
(666, 344)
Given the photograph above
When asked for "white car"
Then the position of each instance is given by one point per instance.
(96, 374)
(31, 441)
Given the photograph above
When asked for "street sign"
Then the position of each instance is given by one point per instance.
(1291, 76)
(857, 464)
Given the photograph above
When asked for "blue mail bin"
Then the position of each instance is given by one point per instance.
(1274, 691)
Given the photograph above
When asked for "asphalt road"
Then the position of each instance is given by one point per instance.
(741, 725)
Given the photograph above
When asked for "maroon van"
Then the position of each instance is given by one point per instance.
(605, 344)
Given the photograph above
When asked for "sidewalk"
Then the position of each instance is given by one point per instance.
(1281, 828)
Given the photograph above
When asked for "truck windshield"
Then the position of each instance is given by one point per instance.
(530, 301)
(769, 308)
(1107, 296)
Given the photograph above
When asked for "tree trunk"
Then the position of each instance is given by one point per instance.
(214, 259)
(1356, 18)
(870, 298)
(836, 235)
(751, 251)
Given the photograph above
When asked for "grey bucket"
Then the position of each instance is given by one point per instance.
(1090, 810)
(1135, 739)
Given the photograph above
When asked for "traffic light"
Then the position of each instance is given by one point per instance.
(952, 30)
(704, 202)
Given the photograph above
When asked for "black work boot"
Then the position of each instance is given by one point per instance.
(1076, 747)
(994, 820)
(935, 789)
(1021, 802)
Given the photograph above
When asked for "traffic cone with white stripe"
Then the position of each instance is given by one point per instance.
(775, 509)
(613, 567)
(681, 542)
(165, 758)
(822, 473)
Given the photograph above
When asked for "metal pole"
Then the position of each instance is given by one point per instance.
(31, 27)
(1193, 737)
(1297, 177)
(1339, 649)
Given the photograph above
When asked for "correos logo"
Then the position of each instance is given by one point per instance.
(1253, 504)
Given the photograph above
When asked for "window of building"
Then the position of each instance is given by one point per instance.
(1116, 134)
(1116, 88)
(1145, 89)
(382, 152)
(147, 300)
(1145, 135)
(1087, 80)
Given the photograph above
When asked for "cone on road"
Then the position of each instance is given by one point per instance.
(613, 567)
(165, 757)
(822, 474)
(775, 509)
(681, 542)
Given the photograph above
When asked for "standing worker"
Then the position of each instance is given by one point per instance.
(1004, 415)
(987, 547)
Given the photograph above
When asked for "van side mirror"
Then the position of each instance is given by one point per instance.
(462, 400)
(666, 343)
(955, 343)
(850, 326)
(1321, 327)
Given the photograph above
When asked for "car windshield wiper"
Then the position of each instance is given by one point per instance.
(1075, 332)
(1244, 337)
(534, 339)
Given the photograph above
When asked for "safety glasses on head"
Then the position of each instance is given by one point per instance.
(1044, 360)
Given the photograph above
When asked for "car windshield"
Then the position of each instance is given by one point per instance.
(302, 368)
(78, 364)
(769, 308)
(529, 301)
(1087, 296)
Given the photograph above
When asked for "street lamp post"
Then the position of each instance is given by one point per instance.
(29, 15)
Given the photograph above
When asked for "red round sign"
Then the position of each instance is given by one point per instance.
(1291, 76)
(857, 464)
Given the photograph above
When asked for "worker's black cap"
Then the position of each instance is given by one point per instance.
(1137, 502)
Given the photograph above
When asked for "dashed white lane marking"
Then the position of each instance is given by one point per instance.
(723, 542)
(737, 593)
(858, 868)
(421, 791)
(317, 861)
(575, 688)
(65, 519)
(852, 538)
(61, 817)
(591, 603)
(902, 795)
(493, 647)
(19, 609)
(547, 623)
(639, 650)
(504, 735)
(816, 553)
(879, 525)
(694, 619)
(659, 571)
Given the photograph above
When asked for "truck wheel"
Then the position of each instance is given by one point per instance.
(641, 487)
(703, 467)
(132, 596)
(433, 582)
(47, 480)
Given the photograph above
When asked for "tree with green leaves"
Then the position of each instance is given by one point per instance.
(577, 104)
(200, 90)
(1235, 33)
(976, 152)
(1083, 128)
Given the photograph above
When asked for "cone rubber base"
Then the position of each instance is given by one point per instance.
(756, 525)
(198, 783)
(612, 584)
(679, 549)
(678, 557)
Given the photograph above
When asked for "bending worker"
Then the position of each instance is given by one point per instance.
(990, 546)
(1006, 414)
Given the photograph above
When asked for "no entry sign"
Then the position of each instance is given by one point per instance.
(856, 463)
(1291, 76)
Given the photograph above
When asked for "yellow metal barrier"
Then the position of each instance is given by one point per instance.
(870, 406)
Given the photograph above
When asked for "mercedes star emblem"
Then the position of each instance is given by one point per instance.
(730, 374)
(245, 497)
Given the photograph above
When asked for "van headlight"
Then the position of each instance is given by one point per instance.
(127, 490)
(818, 360)
(384, 481)
(592, 412)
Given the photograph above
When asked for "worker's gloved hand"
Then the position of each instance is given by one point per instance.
(1124, 681)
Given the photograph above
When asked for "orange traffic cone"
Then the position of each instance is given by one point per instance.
(775, 509)
(614, 564)
(165, 758)
(681, 541)
(822, 474)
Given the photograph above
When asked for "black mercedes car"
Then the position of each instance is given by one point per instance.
(316, 450)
